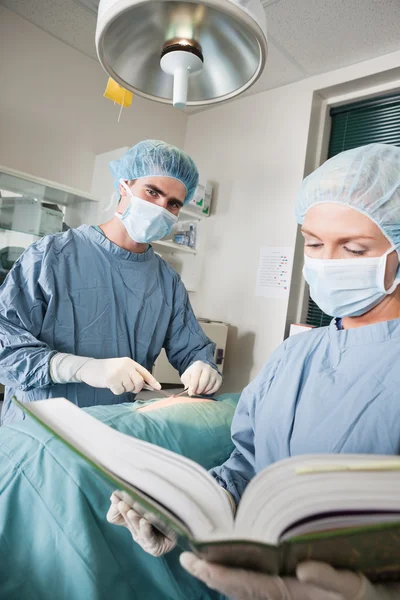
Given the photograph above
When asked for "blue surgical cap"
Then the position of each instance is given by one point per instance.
(154, 158)
(366, 179)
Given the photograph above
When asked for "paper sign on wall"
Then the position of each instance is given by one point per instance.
(274, 271)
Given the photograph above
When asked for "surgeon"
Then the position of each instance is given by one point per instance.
(84, 314)
(334, 389)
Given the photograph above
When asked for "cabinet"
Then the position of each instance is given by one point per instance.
(31, 207)
(164, 372)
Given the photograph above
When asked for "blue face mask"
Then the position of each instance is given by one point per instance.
(347, 287)
(144, 221)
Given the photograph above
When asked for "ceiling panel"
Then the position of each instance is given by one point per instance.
(66, 20)
(322, 35)
(279, 70)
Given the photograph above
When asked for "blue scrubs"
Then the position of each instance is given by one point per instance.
(79, 293)
(327, 390)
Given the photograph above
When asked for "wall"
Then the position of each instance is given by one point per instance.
(53, 117)
(254, 149)
(257, 150)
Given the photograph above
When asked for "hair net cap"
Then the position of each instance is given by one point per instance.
(155, 158)
(366, 179)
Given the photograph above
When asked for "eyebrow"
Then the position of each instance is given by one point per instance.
(345, 238)
(162, 193)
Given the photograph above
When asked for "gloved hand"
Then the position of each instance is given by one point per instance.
(201, 378)
(118, 374)
(315, 581)
(143, 533)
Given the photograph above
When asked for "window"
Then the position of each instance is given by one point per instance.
(353, 125)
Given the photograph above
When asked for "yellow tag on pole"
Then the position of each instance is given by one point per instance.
(118, 94)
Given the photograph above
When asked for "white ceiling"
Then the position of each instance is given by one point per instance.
(306, 37)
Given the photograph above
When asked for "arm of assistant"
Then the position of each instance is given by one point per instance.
(24, 359)
(189, 350)
(239, 469)
(236, 472)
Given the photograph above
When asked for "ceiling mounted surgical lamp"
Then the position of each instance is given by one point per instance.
(187, 53)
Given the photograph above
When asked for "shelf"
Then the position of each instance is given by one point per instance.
(42, 189)
(176, 247)
(37, 235)
(193, 214)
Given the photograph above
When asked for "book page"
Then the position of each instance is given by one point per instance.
(280, 496)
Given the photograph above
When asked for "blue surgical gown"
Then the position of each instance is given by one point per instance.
(79, 293)
(321, 391)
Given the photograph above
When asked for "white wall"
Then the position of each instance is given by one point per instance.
(254, 149)
(257, 150)
(53, 117)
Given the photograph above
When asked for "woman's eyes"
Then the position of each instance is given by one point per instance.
(314, 245)
(349, 250)
(356, 252)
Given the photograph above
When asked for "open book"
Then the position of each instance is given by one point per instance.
(341, 509)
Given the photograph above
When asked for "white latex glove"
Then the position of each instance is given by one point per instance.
(315, 581)
(143, 533)
(201, 378)
(118, 374)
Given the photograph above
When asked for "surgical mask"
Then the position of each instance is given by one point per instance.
(144, 221)
(347, 287)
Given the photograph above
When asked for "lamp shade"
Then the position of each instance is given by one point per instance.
(194, 53)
